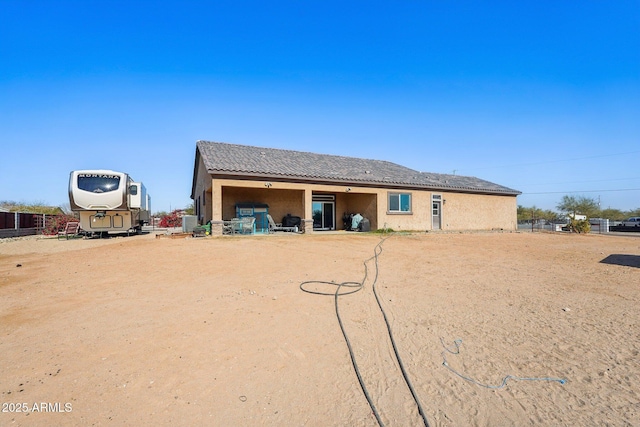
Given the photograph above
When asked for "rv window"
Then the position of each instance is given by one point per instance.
(98, 183)
(133, 190)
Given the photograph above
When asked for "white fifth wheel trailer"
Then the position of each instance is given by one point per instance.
(108, 201)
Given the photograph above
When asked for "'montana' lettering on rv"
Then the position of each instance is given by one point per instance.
(97, 175)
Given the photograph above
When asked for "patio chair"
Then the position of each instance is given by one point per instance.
(246, 224)
(231, 226)
(70, 230)
(273, 226)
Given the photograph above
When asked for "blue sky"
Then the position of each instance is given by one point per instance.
(543, 97)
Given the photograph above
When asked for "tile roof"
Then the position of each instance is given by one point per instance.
(271, 163)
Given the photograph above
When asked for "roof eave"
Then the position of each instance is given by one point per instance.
(195, 173)
(369, 184)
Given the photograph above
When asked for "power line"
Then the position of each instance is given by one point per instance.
(578, 182)
(584, 191)
(550, 161)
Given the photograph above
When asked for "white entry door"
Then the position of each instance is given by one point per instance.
(436, 215)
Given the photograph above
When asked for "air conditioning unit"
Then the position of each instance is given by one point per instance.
(189, 222)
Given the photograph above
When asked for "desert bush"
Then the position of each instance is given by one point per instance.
(57, 223)
(582, 226)
(171, 220)
(579, 226)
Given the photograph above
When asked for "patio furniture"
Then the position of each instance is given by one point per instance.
(232, 226)
(70, 230)
(247, 225)
(258, 211)
(273, 226)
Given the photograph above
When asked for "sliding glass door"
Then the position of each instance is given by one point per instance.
(323, 215)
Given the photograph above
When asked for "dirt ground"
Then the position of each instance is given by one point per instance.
(216, 331)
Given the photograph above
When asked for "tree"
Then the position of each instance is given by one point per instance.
(579, 205)
(633, 213)
(613, 214)
(524, 213)
(535, 214)
(552, 216)
(66, 208)
(190, 209)
(35, 207)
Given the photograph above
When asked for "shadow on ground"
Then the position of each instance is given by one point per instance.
(622, 259)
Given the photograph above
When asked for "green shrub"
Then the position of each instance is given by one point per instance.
(383, 230)
(579, 226)
(582, 226)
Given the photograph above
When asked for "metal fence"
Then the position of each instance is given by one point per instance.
(13, 224)
(539, 226)
(598, 226)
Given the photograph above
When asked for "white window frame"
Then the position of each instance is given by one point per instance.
(399, 194)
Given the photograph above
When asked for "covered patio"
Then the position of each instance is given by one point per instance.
(323, 210)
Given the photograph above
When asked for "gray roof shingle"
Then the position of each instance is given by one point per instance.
(271, 163)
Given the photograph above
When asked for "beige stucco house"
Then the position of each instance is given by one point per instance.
(231, 180)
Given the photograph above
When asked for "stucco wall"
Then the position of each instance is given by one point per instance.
(280, 201)
(203, 187)
(479, 212)
(459, 211)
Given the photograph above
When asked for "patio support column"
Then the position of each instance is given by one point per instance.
(216, 208)
(307, 221)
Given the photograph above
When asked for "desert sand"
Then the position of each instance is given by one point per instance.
(216, 331)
